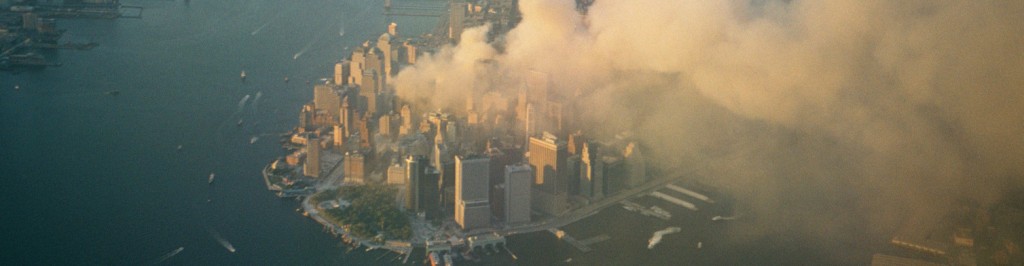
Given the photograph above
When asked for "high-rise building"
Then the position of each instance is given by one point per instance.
(518, 179)
(472, 207)
(414, 170)
(396, 174)
(327, 98)
(312, 166)
(472, 178)
(548, 157)
(592, 182)
(457, 13)
(635, 165)
(355, 168)
(339, 138)
(341, 73)
(421, 186)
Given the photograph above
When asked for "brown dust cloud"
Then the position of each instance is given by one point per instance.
(843, 121)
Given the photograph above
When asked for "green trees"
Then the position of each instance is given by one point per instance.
(372, 211)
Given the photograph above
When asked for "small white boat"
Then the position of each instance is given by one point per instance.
(17, 87)
(243, 74)
(180, 147)
(211, 178)
(254, 139)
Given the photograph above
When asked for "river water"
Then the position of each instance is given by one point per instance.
(96, 179)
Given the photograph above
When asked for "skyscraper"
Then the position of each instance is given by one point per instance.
(326, 98)
(518, 179)
(421, 186)
(312, 166)
(547, 157)
(472, 207)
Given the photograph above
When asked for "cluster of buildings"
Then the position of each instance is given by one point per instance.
(26, 27)
(505, 160)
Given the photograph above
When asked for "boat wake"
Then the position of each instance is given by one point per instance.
(168, 255)
(241, 104)
(257, 31)
(223, 242)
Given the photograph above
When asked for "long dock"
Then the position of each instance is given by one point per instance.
(690, 193)
(595, 240)
(571, 240)
(674, 200)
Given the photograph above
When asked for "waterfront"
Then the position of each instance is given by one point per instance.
(97, 179)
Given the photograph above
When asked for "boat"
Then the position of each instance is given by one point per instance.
(254, 139)
(285, 79)
(240, 121)
(720, 218)
(180, 147)
(656, 238)
(211, 178)
(17, 87)
(113, 93)
(700, 244)
(243, 75)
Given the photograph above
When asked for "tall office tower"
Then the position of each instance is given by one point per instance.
(421, 186)
(384, 125)
(472, 207)
(406, 127)
(547, 157)
(326, 98)
(355, 168)
(415, 168)
(457, 12)
(342, 71)
(410, 52)
(346, 116)
(386, 56)
(518, 179)
(368, 92)
(635, 165)
(592, 182)
(356, 66)
(312, 166)
(339, 138)
(548, 160)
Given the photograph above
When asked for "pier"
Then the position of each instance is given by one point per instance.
(690, 193)
(571, 240)
(672, 199)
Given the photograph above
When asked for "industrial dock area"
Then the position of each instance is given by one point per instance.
(29, 31)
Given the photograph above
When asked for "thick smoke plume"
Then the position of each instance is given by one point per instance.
(828, 118)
